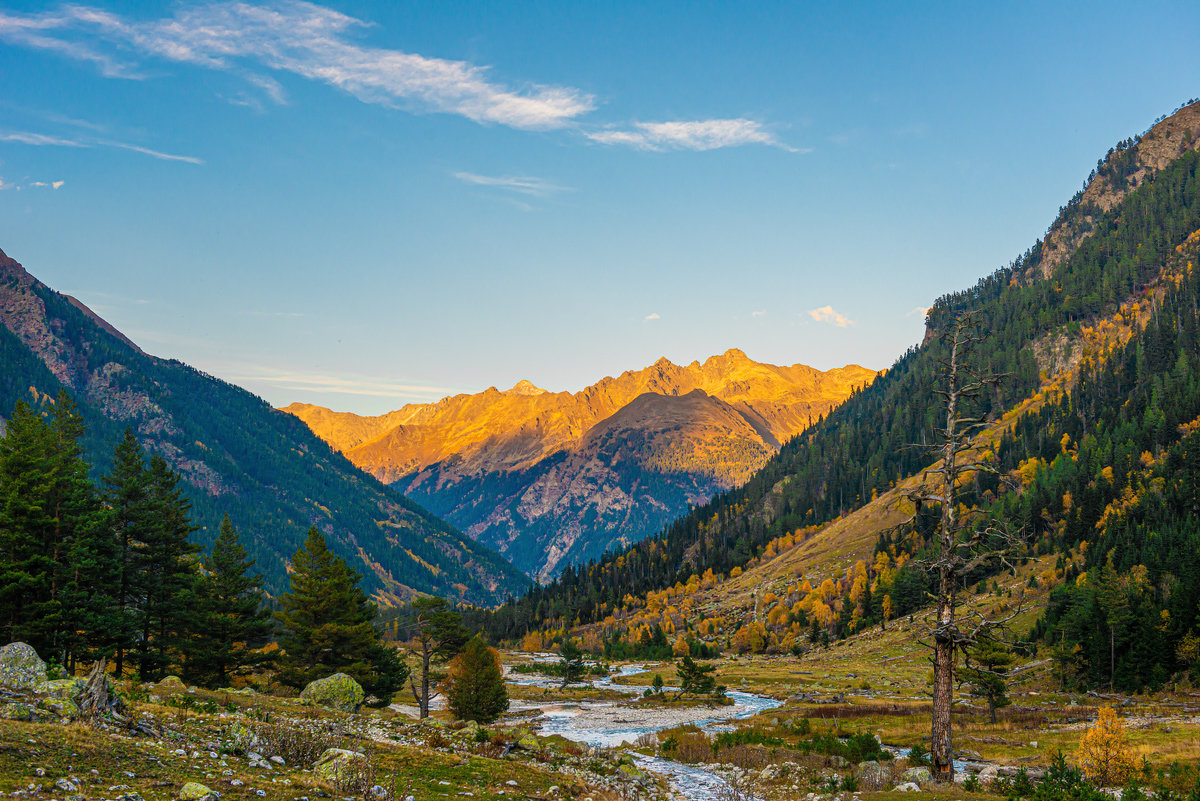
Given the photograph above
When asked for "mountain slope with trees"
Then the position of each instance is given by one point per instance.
(1094, 331)
(237, 456)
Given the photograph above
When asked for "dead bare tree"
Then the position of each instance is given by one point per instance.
(963, 542)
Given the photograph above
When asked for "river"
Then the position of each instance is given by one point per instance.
(607, 724)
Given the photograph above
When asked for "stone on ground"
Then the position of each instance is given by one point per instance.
(338, 691)
(20, 667)
(194, 791)
(339, 766)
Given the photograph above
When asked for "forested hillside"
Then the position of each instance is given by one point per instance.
(1122, 254)
(237, 455)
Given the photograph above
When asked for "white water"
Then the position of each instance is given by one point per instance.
(568, 720)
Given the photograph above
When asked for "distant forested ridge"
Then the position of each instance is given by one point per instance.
(236, 454)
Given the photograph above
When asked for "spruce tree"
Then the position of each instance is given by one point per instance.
(571, 663)
(986, 670)
(30, 611)
(127, 494)
(695, 678)
(475, 683)
(231, 621)
(167, 573)
(327, 626)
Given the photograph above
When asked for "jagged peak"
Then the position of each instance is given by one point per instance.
(525, 387)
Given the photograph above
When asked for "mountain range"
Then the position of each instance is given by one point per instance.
(236, 454)
(555, 478)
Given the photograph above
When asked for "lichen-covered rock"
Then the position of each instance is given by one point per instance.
(240, 738)
(339, 766)
(20, 667)
(62, 707)
(15, 711)
(171, 685)
(920, 775)
(630, 770)
(529, 743)
(194, 791)
(874, 774)
(61, 688)
(908, 787)
(339, 691)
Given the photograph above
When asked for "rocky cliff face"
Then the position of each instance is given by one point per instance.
(551, 478)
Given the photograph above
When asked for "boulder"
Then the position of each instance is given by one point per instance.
(919, 775)
(339, 766)
(908, 787)
(194, 791)
(874, 774)
(528, 742)
(171, 685)
(339, 691)
(20, 667)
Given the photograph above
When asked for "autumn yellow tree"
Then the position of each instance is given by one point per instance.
(1104, 754)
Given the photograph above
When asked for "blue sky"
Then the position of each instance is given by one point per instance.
(361, 204)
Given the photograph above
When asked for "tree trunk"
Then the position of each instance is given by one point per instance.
(941, 750)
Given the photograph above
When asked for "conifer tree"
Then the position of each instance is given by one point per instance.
(437, 635)
(30, 613)
(167, 573)
(127, 494)
(231, 621)
(572, 662)
(695, 678)
(327, 626)
(475, 683)
(986, 670)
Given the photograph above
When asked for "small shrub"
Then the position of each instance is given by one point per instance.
(849, 783)
(918, 756)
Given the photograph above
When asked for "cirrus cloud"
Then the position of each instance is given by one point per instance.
(294, 37)
(691, 135)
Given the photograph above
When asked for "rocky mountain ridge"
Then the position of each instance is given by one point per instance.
(555, 477)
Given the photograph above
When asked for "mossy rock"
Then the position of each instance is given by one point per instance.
(194, 791)
(62, 707)
(20, 667)
(62, 688)
(171, 685)
(339, 691)
(338, 766)
(630, 770)
(529, 743)
(15, 710)
(241, 738)
(919, 775)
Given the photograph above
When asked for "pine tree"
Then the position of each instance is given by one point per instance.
(572, 662)
(327, 626)
(231, 620)
(127, 494)
(167, 572)
(695, 678)
(986, 670)
(475, 683)
(437, 635)
(30, 613)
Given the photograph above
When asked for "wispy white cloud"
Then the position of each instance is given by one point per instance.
(39, 140)
(349, 384)
(691, 135)
(758, 313)
(51, 184)
(827, 314)
(653, 316)
(523, 184)
(45, 140)
(298, 38)
(154, 153)
(922, 311)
